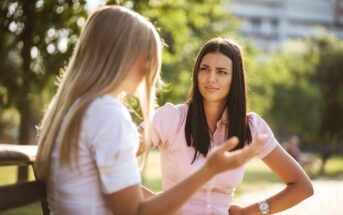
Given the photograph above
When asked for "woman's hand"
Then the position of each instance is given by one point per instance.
(220, 159)
(236, 210)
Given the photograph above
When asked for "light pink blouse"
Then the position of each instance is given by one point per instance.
(176, 157)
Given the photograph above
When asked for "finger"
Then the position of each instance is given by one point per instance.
(229, 144)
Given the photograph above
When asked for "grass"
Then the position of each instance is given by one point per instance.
(8, 175)
(333, 168)
(257, 177)
(152, 172)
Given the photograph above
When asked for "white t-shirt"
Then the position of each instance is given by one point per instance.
(106, 162)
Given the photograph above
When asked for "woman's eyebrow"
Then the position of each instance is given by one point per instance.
(204, 65)
(207, 66)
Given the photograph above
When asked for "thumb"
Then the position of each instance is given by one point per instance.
(229, 144)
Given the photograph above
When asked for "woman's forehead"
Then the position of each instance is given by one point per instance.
(216, 58)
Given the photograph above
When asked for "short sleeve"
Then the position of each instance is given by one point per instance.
(114, 142)
(258, 127)
(165, 124)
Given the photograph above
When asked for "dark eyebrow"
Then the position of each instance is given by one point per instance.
(218, 68)
(204, 65)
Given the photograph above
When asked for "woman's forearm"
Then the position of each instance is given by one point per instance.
(291, 195)
(298, 185)
(217, 161)
(172, 199)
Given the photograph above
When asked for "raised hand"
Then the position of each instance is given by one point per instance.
(220, 159)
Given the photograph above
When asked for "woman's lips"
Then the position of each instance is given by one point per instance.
(211, 89)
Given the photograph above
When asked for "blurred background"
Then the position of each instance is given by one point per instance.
(293, 54)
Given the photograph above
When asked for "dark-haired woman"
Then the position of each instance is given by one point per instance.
(216, 111)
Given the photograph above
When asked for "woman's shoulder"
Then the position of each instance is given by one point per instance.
(173, 107)
(107, 118)
(108, 104)
(107, 108)
(168, 120)
(253, 116)
(255, 120)
(258, 125)
(169, 110)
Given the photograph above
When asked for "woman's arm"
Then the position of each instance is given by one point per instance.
(141, 148)
(298, 185)
(130, 200)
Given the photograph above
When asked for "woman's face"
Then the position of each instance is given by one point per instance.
(214, 77)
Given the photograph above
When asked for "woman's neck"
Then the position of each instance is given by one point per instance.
(213, 112)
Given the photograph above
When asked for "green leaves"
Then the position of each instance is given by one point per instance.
(184, 26)
(36, 40)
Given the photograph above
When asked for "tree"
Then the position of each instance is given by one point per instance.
(36, 39)
(329, 77)
(184, 27)
(296, 100)
(299, 91)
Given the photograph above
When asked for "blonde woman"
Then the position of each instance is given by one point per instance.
(87, 140)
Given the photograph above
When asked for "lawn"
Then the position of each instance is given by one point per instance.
(257, 177)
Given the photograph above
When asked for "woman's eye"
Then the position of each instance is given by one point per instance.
(222, 72)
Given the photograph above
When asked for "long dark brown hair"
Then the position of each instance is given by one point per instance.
(197, 132)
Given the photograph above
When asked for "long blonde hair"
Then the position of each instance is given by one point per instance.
(112, 40)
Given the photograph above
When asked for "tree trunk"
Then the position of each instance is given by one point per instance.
(326, 154)
(24, 104)
(24, 138)
(322, 166)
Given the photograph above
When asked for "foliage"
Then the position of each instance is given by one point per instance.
(36, 39)
(296, 102)
(329, 77)
(184, 27)
(299, 89)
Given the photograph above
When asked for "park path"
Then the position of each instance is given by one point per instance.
(327, 199)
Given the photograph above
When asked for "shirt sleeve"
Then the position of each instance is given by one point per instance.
(258, 127)
(114, 142)
(165, 124)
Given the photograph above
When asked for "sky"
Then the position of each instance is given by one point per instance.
(93, 4)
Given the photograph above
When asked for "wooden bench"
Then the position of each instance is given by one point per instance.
(21, 194)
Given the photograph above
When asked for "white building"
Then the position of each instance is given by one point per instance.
(270, 22)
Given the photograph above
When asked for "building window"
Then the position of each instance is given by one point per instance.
(256, 25)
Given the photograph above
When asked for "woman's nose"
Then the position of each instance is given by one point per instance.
(211, 77)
